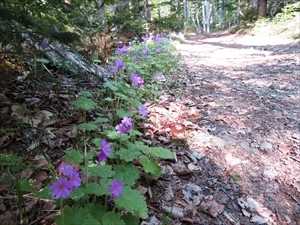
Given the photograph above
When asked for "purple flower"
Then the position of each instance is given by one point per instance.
(45, 44)
(113, 68)
(121, 51)
(136, 79)
(134, 58)
(121, 129)
(159, 50)
(144, 52)
(75, 181)
(115, 189)
(120, 64)
(127, 121)
(105, 150)
(160, 76)
(124, 126)
(143, 110)
(166, 55)
(61, 188)
(66, 170)
(148, 57)
(167, 42)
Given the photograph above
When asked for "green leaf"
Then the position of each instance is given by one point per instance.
(109, 99)
(128, 155)
(219, 103)
(101, 171)
(96, 210)
(162, 153)
(128, 173)
(85, 103)
(129, 219)
(96, 189)
(97, 141)
(42, 60)
(126, 89)
(85, 93)
(111, 85)
(150, 166)
(71, 216)
(77, 194)
(112, 218)
(132, 201)
(25, 185)
(122, 96)
(135, 102)
(100, 120)
(122, 112)
(134, 133)
(73, 156)
(87, 126)
(44, 194)
(155, 151)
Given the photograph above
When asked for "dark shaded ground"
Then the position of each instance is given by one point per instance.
(235, 108)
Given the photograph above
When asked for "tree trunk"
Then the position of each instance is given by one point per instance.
(262, 8)
(147, 8)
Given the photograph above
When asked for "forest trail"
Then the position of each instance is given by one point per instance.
(238, 102)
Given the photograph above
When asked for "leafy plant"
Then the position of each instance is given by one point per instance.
(104, 191)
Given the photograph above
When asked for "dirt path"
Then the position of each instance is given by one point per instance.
(239, 114)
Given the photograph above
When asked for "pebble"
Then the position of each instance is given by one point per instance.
(265, 145)
(258, 219)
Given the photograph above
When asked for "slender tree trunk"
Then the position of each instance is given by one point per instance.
(185, 16)
(262, 8)
(147, 8)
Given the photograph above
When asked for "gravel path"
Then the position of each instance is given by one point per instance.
(235, 109)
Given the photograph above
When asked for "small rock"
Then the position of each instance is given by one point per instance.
(274, 86)
(175, 211)
(258, 219)
(227, 187)
(265, 145)
(192, 167)
(198, 155)
(221, 198)
(242, 203)
(246, 213)
(253, 205)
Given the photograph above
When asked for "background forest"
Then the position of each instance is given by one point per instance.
(76, 77)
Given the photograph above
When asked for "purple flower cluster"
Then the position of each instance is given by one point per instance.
(136, 79)
(158, 50)
(105, 150)
(119, 65)
(124, 126)
(65, 185)
(121, 51)
(143, 110)
(115, 189)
